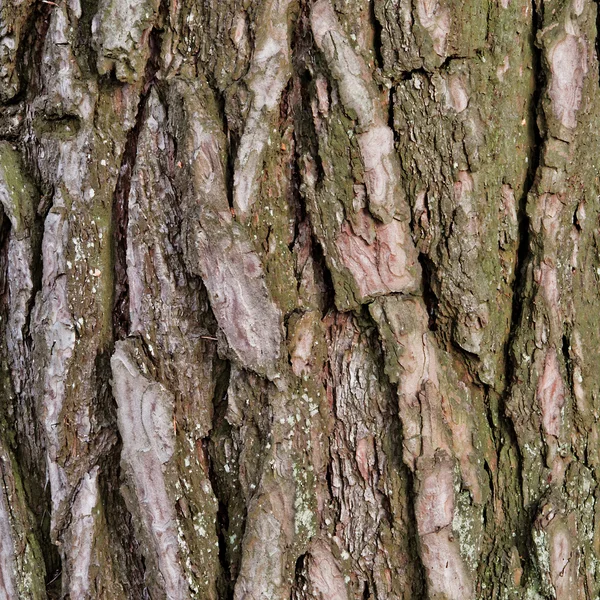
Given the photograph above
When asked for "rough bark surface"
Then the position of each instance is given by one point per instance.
(299, 299)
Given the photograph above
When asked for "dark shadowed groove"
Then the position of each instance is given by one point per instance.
(125, 550)
(226, 579)
(120, 218)
(377, 36)
(429, 296)
(295, 196)
(231, 135)
(523, 259)
(37, 491)
(299, 577)
(306, 140)
(4, 236)
(396, 434)
(127, 554)
(29, 53)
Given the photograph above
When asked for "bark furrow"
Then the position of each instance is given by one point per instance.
(298, 299)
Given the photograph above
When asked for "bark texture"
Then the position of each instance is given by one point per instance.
(299, 300)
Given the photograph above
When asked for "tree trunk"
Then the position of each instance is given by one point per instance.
(298, 299)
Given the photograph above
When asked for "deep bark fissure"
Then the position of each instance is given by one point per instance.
(5, 229)
(427, 409)
(119, 525)
(231, 135)
(523, 259)
(29, 53)
(121, 319)
(222, 523)
(299, 577)
(377, 35)
(429, 296)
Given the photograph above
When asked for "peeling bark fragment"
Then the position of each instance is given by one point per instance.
(65, 91)
(301, 343)
(364, 470)
(280, 496)
(551, 395)
(263, 569)
(82, 537)
(357, 90)
(458, 97)
(359, 96)
(434, 507)
(553, 536)
(562, 565)
(145, 410)
(233, 276)
(269, 73)
(381, 266)
(54, 349)
(566, 55)
(120, 33)
(412, 361)
(325, 578)
(367, 258)
(18, 198)
(446, 572)
(446, 575)
(216, 246)
(436, 20)
(167, 305)
(20, 269)
(568, 67)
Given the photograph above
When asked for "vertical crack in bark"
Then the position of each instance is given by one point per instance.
(118, 518)
(524, 517)
(19, 439)
(228, 569)
(28, 460)
(377, 37)
(231, 135)
(300, 582)
(121, 319)
(30, 49)
(429, 296)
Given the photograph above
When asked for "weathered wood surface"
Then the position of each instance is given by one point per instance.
(299, 299)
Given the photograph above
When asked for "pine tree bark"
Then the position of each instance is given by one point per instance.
(297, 299)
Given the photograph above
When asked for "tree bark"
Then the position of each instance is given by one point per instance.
(298, 299)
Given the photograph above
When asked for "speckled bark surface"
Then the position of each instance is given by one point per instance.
(299, 300)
